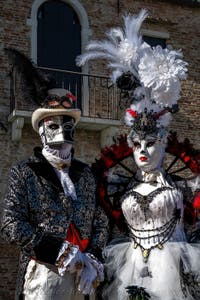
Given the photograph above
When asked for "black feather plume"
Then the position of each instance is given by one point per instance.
(127, 81)
(35, 83)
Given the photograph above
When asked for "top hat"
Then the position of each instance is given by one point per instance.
(58, 102)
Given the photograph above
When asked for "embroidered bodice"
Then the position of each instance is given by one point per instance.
(155, 218)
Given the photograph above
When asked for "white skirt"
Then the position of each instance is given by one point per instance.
(172, 273)
(42, 282)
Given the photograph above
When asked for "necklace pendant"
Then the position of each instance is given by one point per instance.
(135, 245)
(145, 254)
(160, 246)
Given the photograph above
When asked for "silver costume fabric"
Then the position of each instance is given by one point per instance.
(37, 209)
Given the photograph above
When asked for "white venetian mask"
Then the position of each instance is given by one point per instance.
(148, 153)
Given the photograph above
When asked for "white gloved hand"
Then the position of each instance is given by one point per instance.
(91, 275)
(76, 264)
(87, 278)
(69, 259)
(97, 265)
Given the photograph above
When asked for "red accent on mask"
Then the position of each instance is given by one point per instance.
(143, 158)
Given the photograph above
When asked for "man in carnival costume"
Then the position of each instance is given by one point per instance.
(157, 263)
(50, 208)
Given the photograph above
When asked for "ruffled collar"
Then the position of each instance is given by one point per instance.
(60, 158)
(154, 176)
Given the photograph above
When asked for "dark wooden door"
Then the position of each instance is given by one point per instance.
(59, 42)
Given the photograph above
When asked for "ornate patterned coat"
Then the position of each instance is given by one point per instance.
(37, 213)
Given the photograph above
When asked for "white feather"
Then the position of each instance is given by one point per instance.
(158, 70)
(115, 74)
(128, 119)
(104, 46)
(82, 59)
(164, 120)
(115, 35)
(132, 27)
(120, 49)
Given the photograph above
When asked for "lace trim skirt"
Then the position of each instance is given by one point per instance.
(172, 273)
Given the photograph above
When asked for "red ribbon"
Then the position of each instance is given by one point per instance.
(71, 96)
(73, 236)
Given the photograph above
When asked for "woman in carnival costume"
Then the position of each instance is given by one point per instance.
(157, 263)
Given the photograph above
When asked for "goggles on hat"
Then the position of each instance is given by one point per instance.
(54, 101)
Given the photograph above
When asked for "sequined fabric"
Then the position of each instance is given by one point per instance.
(35, 205)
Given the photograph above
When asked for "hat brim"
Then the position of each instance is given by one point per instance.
(42, 113)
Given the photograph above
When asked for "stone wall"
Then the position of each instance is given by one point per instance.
(181, 22)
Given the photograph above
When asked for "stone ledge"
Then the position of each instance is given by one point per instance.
(19, 117)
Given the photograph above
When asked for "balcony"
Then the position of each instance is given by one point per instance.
(97, 97)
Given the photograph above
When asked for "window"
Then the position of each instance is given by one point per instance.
(59, 42)
(154, 41)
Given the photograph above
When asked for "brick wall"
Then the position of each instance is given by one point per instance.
(183, 25)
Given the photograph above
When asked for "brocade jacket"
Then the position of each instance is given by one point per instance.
(37, 214)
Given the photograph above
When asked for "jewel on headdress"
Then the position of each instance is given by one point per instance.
(145, 123)
(145, 119)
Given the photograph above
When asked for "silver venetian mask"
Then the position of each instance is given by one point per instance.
(55, 130)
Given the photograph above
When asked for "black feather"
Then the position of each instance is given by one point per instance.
(127, 81)
(35, 83)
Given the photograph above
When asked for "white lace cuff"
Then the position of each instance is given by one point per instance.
(97, 265)
(66, 254)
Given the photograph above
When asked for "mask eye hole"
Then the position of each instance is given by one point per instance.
(150, 144)
(67, 126)
(53, 126)
(136, 144)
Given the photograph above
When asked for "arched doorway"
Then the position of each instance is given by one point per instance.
(59, 42)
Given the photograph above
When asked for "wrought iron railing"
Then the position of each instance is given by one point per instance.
(195, 3)
(96, 96)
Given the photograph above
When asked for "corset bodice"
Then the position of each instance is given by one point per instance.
(154, 218)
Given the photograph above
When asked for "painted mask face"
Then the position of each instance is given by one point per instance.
(56, 130)
(148, 153)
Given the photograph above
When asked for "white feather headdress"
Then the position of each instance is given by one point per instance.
(122, 48)
(151, 75)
